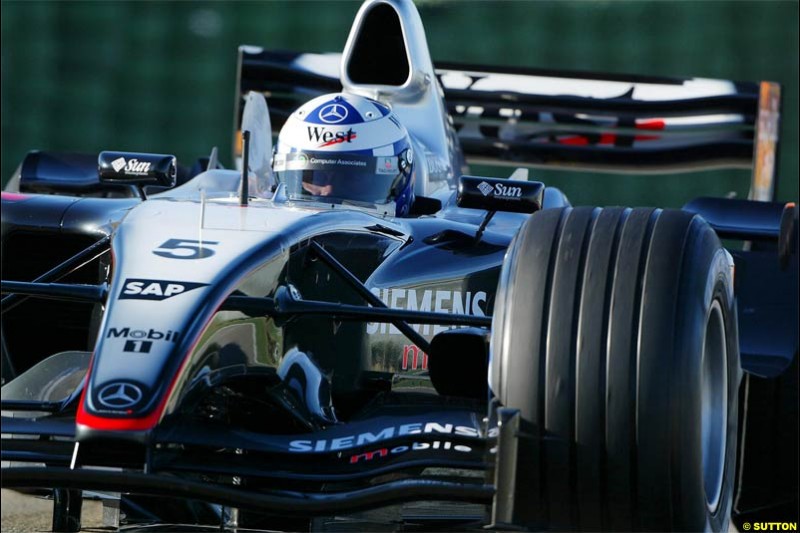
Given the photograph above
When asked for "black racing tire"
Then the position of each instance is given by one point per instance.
(614, 334)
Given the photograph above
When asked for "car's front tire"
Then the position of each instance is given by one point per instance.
(615, 336)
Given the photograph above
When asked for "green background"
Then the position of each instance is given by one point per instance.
(155, 76)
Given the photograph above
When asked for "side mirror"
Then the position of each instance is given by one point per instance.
(458, 363)
(425, 206)
(128, 168)
(493, 194)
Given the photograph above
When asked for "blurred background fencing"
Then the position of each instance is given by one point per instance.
(159, 76)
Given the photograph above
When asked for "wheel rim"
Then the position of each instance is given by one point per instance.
(714, 405)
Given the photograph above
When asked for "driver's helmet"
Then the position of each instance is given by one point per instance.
(346, 149)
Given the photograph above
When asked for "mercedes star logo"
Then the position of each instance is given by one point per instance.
(120, 395)
(333, 113)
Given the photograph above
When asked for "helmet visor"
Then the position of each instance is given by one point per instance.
(334, 178)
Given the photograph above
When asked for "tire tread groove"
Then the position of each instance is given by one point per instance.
(542, 385)
(576, 319)
(634, 362)
(609, 290)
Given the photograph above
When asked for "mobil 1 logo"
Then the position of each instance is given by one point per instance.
(140, 340)
(137, 346)
(153, 289)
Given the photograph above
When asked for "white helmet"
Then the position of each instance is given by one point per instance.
(343, 148)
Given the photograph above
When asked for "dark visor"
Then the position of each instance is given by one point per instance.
(332, 177)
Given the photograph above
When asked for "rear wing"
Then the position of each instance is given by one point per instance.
(576, 120)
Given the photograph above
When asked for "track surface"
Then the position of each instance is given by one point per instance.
(22, 513)
(27, 514)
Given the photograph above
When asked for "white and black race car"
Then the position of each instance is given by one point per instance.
(206, 347)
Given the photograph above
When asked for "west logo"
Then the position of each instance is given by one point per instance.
(327, 138)
(152, 289)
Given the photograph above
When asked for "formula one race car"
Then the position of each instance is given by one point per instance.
(346, 328)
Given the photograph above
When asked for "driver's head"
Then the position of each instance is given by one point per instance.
(346, 148)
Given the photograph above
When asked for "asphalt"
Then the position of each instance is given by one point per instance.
(22, 513)
(29, 514)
